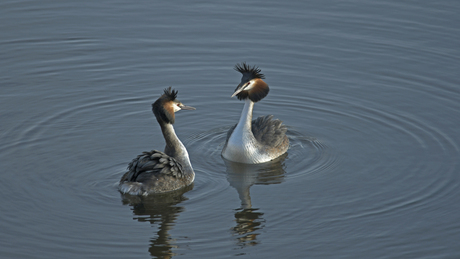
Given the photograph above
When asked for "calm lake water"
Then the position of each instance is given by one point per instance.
(370, 91)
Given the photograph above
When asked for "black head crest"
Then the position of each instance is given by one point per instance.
(245, 69)
(260, 88)
(162, 113)
(170, 93)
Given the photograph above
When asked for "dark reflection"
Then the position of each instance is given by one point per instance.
(160, 210)
(242, 177)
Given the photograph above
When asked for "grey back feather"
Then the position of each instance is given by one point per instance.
(268, 131)
(152, 162)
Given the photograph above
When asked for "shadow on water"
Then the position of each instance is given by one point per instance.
(161, 211)
(241, 177)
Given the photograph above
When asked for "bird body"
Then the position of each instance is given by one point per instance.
(254, 141)
(155, 171)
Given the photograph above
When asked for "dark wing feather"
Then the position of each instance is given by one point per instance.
(153, 162)
(269, 131)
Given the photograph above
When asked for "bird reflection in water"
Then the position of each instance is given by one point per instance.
(241, 177)
(161, 211)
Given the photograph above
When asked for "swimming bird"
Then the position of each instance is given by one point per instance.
(155, 171)
(254, 141)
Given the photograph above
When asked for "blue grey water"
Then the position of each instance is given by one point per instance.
(370, 91)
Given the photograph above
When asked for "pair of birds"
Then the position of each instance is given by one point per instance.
(249, 141)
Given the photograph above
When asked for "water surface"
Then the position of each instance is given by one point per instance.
(369, 91)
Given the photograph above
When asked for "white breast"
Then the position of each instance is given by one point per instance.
(242, 147)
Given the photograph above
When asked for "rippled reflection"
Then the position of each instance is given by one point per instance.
(241, 177)
(160, 210)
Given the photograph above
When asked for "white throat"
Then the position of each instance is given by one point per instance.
(245, 122)
(242, 146)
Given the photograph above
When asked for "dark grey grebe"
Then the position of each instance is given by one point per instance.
(254, 141)
(155, 171)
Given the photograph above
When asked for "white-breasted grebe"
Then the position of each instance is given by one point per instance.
(155, 171)
(254, 141)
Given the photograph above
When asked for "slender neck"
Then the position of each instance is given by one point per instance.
(174, 146)
(246, 116)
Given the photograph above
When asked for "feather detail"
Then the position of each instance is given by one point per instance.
(153, 162)
(245, 69)
(269, 131)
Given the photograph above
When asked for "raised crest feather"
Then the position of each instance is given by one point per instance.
(258, 90)
(245, 69)
(170, 93)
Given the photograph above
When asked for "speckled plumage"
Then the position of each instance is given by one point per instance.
(154, 170)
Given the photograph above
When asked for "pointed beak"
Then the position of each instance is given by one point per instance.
(185, 107)
(240, 88)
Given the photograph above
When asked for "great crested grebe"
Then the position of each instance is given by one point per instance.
(155, 171)
(254, 141)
